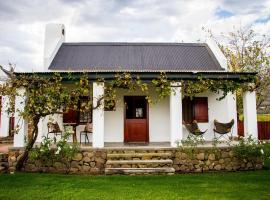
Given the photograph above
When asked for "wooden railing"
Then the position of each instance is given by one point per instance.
(263, 130)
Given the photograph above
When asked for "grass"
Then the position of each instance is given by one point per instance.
(260, 117)
(235, 185)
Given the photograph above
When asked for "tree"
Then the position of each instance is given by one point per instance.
(248, 51)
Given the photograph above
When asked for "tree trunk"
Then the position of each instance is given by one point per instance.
(29, 146)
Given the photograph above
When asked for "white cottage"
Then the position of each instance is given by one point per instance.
(133, 120)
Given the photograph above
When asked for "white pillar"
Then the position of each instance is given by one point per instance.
(20, 135)
(232, 111)
(98, 116)
(40, 131)
(250, 114)
(176, 114)
(4, 124)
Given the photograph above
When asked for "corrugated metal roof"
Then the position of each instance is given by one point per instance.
(141, 57)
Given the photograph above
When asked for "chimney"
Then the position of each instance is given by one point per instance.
(54, 37)
(218, 53)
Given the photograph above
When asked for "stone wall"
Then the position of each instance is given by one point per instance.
(85, 162)
(3, 163)
(209, 159)
(93, 161)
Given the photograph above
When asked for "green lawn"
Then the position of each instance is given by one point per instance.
(235, 185)
(260, 117)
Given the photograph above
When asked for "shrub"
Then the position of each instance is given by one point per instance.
(251, 149)
(51, 151)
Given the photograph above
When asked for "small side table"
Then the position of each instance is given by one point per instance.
(73, 125)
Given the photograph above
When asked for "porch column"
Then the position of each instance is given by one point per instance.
(21, 134)
(40, 131)
(98, 116)
(176, 114)
(4, 123)
(250, 114)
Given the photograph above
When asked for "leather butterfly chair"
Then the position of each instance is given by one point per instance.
(193, 130)
(223, 130)
(53, 128)
(88, 129)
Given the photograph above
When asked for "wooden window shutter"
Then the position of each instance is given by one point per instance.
(71, 116)
(201, 109)
(187, 110)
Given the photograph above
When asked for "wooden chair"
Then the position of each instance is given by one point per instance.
(53, 128)
(193, 130)
(88, 129)
(223, 129)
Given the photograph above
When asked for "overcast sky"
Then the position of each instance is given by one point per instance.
(22, 22)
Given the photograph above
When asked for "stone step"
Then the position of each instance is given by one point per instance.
(6, 140)
(164, 161)
(139, 150)
(139, 163)
(139, 171)
(139, 156)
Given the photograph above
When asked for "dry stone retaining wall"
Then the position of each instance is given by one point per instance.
(3, 163)
(93, 161)
(209, 159)
(84, 162)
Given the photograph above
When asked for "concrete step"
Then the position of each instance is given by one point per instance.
(140, 156)
(139, 171)
(139, 163)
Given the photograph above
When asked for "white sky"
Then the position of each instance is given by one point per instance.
(22, 22)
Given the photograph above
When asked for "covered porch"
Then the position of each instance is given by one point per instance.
(157, 125)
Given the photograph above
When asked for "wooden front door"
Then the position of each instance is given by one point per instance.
(136, 119)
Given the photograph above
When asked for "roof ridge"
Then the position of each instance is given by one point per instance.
(132, 44)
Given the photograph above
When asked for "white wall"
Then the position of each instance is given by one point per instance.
(159, 116)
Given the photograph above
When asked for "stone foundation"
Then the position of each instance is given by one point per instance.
(85, 162)
(94, 161)
(3, 163)
(209, 159)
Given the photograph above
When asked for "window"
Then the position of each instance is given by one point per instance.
(81, 115)
(85, 112)
(195, 109)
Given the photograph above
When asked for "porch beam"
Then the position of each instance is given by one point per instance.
(149, 75)
(250, 114)
(176, 131)
(20, 135)
(98, 115)
(4, 124)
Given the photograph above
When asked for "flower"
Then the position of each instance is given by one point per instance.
(262, 151)
(58, 150)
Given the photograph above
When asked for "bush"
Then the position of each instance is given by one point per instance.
(251, 149)
(51, 151)
(248, 148)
